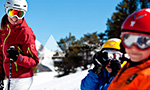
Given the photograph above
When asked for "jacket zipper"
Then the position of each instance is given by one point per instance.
(4, 45)
(5, 40)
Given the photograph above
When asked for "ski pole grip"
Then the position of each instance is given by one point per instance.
(11, 47)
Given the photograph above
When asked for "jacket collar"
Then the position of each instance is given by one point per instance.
(21, 23)
(144, 65)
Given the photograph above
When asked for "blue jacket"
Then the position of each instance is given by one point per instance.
(94, 82)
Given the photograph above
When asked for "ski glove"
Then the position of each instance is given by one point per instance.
(115, 66)
(12, 53)
(99, 62)
(1, 84)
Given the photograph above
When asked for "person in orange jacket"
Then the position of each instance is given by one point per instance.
(18, 46)
(135, 36)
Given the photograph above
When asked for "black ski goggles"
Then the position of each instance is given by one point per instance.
(141, 41)
(112, 55)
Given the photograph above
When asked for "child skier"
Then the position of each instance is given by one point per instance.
(106, 65)
(18, 45)
(135, 36)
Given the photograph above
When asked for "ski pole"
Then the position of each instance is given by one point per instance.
(10, 68)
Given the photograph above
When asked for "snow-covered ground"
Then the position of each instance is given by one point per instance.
(48, 81)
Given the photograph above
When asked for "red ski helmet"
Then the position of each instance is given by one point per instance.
(138, 21)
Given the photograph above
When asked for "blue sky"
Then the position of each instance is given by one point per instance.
(59, 17)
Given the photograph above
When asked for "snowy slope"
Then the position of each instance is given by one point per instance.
(47, 81)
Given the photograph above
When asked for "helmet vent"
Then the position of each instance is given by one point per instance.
(8, 2)
(141, 16)
(24, 6)
(17, 5)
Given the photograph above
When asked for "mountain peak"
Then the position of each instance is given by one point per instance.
(52, 45)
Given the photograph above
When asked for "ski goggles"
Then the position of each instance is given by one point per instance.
(112, 55)
(14, 12)
(141, 41)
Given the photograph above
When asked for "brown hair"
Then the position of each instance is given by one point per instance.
(4, 22)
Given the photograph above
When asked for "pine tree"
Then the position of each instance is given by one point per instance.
(103, 37)
(69, 62)
(89, 43)
(124, 9)
(145, 3)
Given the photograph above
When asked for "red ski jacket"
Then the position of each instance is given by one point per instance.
(2, 73)
(22, 37)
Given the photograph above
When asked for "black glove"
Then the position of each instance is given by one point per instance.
(100, 62)
(1, 84)
(115, 66)
(12, 53)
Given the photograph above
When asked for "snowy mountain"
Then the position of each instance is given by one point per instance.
(45, 57)
(52, 45)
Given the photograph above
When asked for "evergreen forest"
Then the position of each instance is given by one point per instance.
(78, 53)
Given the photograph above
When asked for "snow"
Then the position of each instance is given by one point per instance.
(48, 81)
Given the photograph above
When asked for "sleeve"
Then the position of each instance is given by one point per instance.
(2, 73)
(90, 82)
(29, 56)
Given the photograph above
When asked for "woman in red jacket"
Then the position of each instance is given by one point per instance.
(135, 36)
(19, 35)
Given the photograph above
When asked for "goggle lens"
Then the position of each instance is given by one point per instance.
(112, 55)
(13, 12)
(141, 41)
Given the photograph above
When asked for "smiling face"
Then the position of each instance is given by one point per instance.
(13, 20)
(136, 54)
(108, 68)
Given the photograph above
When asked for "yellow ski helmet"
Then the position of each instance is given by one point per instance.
(113, 43)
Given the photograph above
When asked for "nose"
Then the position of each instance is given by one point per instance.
(14, 18)
(134, 47)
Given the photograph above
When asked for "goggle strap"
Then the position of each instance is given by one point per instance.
(128, 30)
(97, 61)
